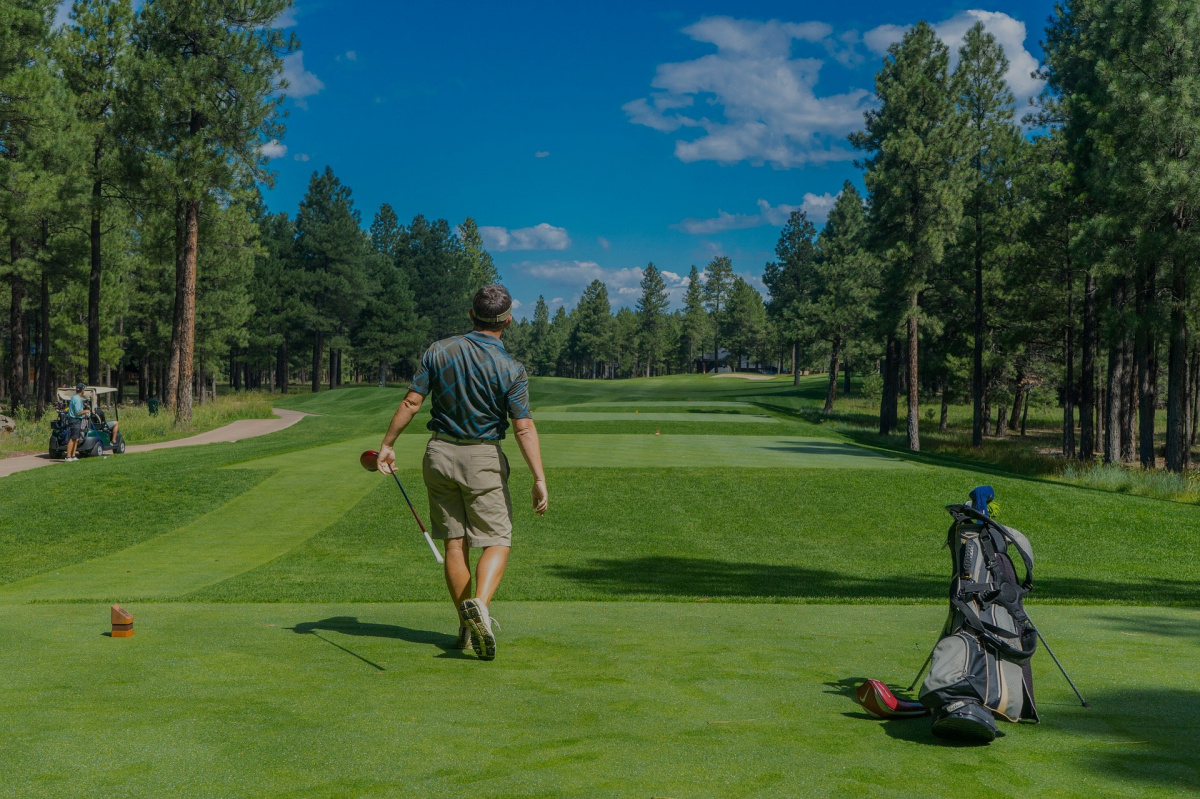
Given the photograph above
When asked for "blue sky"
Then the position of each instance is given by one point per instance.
(588, 140)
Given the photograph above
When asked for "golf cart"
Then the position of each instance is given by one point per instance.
(96, 429)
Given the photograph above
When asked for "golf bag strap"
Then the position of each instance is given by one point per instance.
(973, 620)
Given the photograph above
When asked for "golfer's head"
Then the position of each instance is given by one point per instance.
(491, 310)
(79, 387)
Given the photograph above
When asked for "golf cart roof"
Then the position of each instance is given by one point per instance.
(92, 393)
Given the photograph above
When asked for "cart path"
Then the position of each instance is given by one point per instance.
(234, 431)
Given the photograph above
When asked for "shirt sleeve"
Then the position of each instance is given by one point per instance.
(420, 381)
(518, 396)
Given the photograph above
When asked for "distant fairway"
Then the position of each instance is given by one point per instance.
(686, 620)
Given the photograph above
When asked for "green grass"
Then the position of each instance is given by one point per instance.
(292, 628)
(586, 700)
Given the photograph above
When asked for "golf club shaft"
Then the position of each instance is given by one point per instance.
(1060, 668)
(432, 546)
(922, 671)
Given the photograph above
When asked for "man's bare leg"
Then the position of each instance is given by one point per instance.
(458, 570)
(489, 571)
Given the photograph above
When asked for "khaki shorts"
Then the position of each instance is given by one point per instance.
(468, 492)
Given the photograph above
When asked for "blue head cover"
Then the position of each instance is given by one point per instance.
(980, 497)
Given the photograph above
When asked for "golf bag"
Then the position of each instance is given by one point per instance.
(980, 666)
(60, 433)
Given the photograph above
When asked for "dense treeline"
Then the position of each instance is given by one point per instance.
(990, 259)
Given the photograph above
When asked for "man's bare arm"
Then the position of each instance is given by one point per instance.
(404, 414)
(531, 450)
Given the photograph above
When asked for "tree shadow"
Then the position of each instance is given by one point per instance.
(688, 577)
(668, 576)
(1144, 735)
(828, 448)
(1155, 624)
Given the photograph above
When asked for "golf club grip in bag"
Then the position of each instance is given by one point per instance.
(983, 656)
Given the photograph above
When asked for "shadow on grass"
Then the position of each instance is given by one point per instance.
(667, 576)
(1146, 736)
(829, 448)
(350, 625)
(1165, 626)
(915, 730)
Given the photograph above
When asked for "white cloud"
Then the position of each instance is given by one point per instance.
(351, 55)
(301, 157)
(286, 18)
(516, 305)
(604, 243)
(541, 154)
(273, 149)
(301, 83)
(543, 236)
(624, 285)
(765, 101)
(1010, 33)
(816, 206)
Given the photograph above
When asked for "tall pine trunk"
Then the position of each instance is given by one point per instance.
(172, 382)
(1087, 372)
(18, 386)
(846, 370)
(93, 313)
(1143, 346)
(1177, 358)
(185, 301)
(318, 350)
(1129, 403)
(977, 367)
(281, 367)
(831, 393)
(45, 391)
(888, 406)
(914, 387)
(1068, 429)
(795, 363)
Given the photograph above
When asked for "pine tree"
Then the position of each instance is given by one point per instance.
(695, 330)
(652, 316)
(789, 281)
(191, 57)
(915, 175)
(745, 321)
(332, 250)
(986, 103)
(435, 258)
(591, 338)
(718, 282)
(541, 346)
(483, 271)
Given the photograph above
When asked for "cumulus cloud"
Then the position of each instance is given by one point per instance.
(303, 157)
(286, 19)
(543, 236)
(766, 106)
(816, 206)
(273, 149)
(604, 243)
(1010, 33)
(541, 154)
(624, 284)
(301, 84)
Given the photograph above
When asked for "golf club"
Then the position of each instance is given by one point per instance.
(370, 462)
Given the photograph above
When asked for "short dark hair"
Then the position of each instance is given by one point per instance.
(492, 307)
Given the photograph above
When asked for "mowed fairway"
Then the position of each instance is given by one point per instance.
(292, 637)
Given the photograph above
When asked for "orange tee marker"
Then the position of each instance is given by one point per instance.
(122, 622)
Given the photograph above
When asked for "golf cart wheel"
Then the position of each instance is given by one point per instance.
(119, 446)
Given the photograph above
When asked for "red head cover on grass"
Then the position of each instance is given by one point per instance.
(369, 460)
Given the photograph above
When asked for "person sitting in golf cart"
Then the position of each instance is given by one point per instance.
(76, 411)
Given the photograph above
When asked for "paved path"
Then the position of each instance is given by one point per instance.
(234, 431)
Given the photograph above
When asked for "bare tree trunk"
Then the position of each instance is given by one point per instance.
(914, 414)
(332, 367)
(93, 314)
(1001, 422)
(944, 418)
(1129, 395)
(846, 371)
(888, 406)
(1068, 427)
(187, 311)
(977, 422)
(987, 414)
(1177, 359)
(1019, 390)
(1024, 412)
(318, 351)
(831, 392)
(18, 388)
(172, 382)
(795, 363)
(282, 367)
(1087, 373)
(45, 391)
(1194, 405)
(1142, 346)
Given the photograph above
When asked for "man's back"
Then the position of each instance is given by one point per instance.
(475, 386)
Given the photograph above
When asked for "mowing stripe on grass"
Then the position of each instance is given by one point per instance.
(311, 490)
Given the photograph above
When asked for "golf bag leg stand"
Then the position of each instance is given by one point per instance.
(1070, 682)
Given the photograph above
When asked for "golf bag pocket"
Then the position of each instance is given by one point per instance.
(965, 670)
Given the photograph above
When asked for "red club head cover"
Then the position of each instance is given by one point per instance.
(878, 700)
(369, 460)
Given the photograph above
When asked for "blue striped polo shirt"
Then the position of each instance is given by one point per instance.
(475, 386)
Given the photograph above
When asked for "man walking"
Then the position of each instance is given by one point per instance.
(475, 387)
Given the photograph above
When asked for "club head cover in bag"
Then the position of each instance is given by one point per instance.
(965, 722)
(878, 700)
